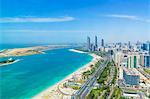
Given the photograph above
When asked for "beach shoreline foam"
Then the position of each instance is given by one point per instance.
(77, 51)
(52, 91)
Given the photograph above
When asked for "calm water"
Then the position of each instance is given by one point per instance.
(10, 46)
(33, 74)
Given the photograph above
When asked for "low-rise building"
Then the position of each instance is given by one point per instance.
(131, 77)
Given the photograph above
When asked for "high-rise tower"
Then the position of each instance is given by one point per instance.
(149, 48)
(88, 44)
(96, 46)
(129, 45)
(102, 43)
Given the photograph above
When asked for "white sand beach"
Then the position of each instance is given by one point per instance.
(74, 50)
(56, 91)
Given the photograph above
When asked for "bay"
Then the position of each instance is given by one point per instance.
(33, 74)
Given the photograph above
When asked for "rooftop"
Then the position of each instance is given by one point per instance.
(131, 71)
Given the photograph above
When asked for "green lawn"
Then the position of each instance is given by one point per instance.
(75, 87)
(116, 93)
(86, 74)
(106, 93)
(95, 93)
(105, 74)
(147, 70)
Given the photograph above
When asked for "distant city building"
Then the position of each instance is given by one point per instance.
(110, 51)
(88, 44)
(93, 47)
(149, 47)
(103, 49)
(96, 45)
(131, 77)
(146, 46)
(102, 43)
(133, 60)
(142, 59)
(118, 57)
(129, 45)
(147, 61)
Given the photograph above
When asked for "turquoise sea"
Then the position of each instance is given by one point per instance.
(32, 74)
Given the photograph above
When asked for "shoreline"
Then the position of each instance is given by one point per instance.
(22, 51)
(77, 51)
(52, 91)
(28, 50)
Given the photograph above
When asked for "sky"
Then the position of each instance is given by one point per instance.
(71, 21)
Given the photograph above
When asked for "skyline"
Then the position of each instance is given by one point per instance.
(32, 21)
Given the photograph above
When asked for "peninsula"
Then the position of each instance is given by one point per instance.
(28, 50)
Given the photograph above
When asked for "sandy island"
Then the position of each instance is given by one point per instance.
(28, 50)
(22, 51)
(58, 91)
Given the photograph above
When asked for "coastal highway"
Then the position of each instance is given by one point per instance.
(143, 72)
(87, 86)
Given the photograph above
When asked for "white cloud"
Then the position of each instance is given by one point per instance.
(129, 17)
(35, 19)
(148, 20)
(123, 16)
(48, 31)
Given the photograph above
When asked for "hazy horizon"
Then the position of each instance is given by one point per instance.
(66, 21)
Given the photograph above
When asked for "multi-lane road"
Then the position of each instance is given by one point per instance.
(87, 86)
